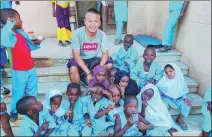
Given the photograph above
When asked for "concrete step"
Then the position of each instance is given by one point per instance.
(60, 73)
(66, 53)
(43, 86)
(194, 123)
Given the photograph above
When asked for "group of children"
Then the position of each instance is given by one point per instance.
(129, 100)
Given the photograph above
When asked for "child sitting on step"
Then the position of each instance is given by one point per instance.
(4, 119)
(37, 120)
(111, 75)
(153, 110)
(19, 47)
(147, 71)
(53, 102)
(75, 112)
(99, 76)
(174, 91)
(97, 109)
(206, 111)
(127, 122)
(127, 55)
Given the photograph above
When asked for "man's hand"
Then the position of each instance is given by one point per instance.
(181, 15)
(45, 126)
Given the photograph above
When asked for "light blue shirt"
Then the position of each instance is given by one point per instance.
(89, 48)
(6, 4)
(28, 127)
(176, 5)
(121, 10)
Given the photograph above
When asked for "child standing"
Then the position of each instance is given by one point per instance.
(206, 111)
(97, 108)
(174, 91)
(19, 46)
(125, 123)
(152, 108)
(147, 71)
(4, 119)
(53, 102)
(62, 13)
(127, 55)
(99, 76)
(37, 120)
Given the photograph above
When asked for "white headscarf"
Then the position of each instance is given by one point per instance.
(156, 112)
(175, 87)
(46, 103)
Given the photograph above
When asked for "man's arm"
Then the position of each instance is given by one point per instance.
(80, 61)
(104, 58)
(183, 10)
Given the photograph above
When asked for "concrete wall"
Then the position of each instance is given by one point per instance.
(193, 37)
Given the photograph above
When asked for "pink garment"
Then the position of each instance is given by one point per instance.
(97, 69)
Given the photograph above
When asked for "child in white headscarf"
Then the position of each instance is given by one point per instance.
(52, 102)
(174, 91)
(152, 108)
(206, 111)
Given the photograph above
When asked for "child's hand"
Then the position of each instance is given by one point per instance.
(54, 13)
(88, 122)
(36, 41)
(152, 81)
(125, 63)
(69, 112)
(209, 107)
(140, 125)
(188, 102)
(109, 108)
(3, 107)
(105, 92)
(122, 90)
(45, 126)
(130, 121)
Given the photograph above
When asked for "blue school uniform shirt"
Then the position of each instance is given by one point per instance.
(89, 48)
(176, 5)
(28, 127)
(100, 124)
(133, 130)
(142, 77)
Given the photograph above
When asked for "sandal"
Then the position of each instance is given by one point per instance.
(5, 91)
(164, 49)
(183, 126)
(62, 45)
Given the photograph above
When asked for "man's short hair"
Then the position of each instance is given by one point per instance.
(94, 11)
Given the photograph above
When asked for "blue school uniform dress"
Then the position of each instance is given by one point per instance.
(206, 126)
(130, 56)
(112, 114)
(141, 77)
(98, 125)
(77, 127)
(121, 16)
(24, 82)
(28, 127)
(133, 130)
(175, 9)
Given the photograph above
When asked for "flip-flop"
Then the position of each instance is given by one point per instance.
(183, 126)
(161, 50)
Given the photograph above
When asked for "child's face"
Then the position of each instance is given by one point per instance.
(112, 74)
(116, 95)
(124, 82)
(92, 22)
(170, 73)
(18, 21)
(147, 95)
(36, 106)
(128, 41)
(100, 76)
(73, 94)
(55, 103)
(131, 107)
(96, 96)
(149, 56)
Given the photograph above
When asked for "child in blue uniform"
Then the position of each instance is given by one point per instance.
(111, 75)
(174, 91)
(37, 120)
(127, 120)
(97, 108)
(127, 55)
(206, 111)
(147, 71)
(176, 12)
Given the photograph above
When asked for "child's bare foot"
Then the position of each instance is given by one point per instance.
(181, 123)
(172, 130)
